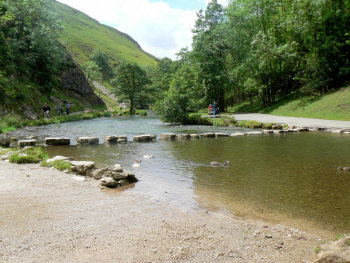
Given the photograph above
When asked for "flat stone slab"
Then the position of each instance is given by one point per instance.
(208, 135)
(58, 158)
(57, 141)
(254, 133)
(268, 131)
(221, 134)
(167, 136)
(183, 136)
(144, 138)
(280, 131)
(116, 139)
(88, 140)
(24, 143)
(194, 136)
(238, 134)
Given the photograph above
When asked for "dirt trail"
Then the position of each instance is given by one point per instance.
(105, 91)
(47, 216)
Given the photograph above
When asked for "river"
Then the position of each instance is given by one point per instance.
(289, 178)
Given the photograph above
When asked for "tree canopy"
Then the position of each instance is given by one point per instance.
(264, 51)
(130, 83)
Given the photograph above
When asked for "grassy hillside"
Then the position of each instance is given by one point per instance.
(333, 106)
(82, 35)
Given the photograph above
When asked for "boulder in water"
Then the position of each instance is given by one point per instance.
(57, 141)
(24, 143)
(88, 140)
(167, 136)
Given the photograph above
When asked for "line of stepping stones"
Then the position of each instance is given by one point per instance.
(5, 142)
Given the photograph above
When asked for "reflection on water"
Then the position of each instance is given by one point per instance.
(291, 178)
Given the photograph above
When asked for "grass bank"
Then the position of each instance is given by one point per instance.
(331, 106)
(12, 122)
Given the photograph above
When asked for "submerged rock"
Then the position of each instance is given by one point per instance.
(57, 141)
(88, 140)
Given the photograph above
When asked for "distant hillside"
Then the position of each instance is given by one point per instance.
(82, 35)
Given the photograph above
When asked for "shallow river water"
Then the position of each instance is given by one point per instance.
(288, 178)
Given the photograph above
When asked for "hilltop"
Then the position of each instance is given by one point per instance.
(82, 34)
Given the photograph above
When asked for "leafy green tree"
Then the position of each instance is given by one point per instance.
(31, 30)
(209, 52)
(101, 60)
(92, 71)
(130, 82)
(182, 96)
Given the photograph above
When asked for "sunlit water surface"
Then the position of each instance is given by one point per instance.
(290, 178)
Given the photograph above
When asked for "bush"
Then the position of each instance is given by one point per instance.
(196, 119)
(107, 114)
(250, 124)
(141, 112)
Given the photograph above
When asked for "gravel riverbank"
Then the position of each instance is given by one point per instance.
(48, 216)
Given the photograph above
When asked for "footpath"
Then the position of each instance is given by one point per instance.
(300, 122)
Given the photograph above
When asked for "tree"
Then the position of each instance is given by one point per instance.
(31, 31)
(101, 60)
(182, 96)
(130, 82)
(92, 71)
(209, 51)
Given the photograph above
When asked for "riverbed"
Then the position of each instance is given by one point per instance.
(288, 178)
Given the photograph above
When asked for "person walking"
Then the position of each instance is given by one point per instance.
(67, 108)
(46, 110)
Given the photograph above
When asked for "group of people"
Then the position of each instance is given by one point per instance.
(46, 109)
(213, 108)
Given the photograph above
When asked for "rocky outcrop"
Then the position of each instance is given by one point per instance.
(334, 252)
(88, 140)
(74, 82)
(57, 141)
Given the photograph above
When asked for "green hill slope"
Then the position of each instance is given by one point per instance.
(332, 106)
(82, 34)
